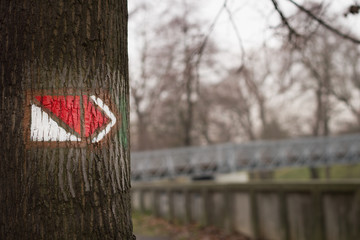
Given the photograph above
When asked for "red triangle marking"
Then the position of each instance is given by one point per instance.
(94, 119)
(66, 108)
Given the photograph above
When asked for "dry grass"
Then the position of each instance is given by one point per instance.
(147, 225)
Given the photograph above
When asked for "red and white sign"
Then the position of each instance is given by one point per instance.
(76, 118)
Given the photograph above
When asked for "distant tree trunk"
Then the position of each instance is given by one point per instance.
(188, 79)
(138, 92)
(141, 126)
(189, 106)
(61, 192)
(314, 173)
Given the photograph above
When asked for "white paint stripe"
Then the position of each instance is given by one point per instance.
(43, 128)
(106, 109)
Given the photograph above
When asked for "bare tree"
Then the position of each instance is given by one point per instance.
(179, 110)
(246, 92)
(329, 84)
(346, 84)
(166, 93)
(232, 95)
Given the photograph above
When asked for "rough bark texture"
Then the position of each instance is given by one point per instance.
(63, 192)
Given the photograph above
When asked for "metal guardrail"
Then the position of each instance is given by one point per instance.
(258, 155)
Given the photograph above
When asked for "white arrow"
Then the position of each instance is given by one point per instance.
(106, 109)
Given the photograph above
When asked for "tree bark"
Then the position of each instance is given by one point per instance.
(67, 192)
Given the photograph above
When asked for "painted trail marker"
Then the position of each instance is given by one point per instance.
(72, 119)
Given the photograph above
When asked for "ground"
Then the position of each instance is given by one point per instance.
(147, 227)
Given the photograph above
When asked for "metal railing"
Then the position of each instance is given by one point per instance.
(258, 155)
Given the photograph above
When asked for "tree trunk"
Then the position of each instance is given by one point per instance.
(63, 190)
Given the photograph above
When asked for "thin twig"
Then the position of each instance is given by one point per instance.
(211, 28)
(237, 33)
(200, 50)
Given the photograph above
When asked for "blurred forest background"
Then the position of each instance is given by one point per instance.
(208, 72)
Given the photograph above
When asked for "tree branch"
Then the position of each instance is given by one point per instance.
(324, 24)
(284, 20)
